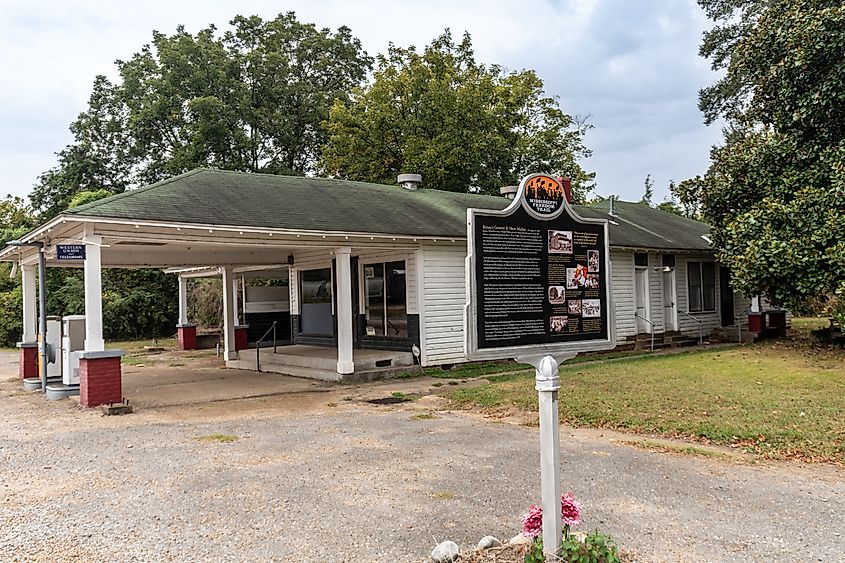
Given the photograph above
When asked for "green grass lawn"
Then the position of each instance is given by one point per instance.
(783, 400)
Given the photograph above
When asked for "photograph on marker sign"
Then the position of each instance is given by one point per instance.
(592, 281)
(560, 242)
(593, 260)
(557, 294)
(576, 277)
(574, 306)
(590, 308)
(558, 324)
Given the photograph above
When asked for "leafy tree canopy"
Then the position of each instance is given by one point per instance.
(252, 99)
(775, 191)
(464, 126)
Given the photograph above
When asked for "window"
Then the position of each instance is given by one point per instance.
(640, 259)
(701, 282)
(385, 306)
(668, 260)
(316, 296)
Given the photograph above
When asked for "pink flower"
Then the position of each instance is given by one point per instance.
(532, 521)
(570, 510)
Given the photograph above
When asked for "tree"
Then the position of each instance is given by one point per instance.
(688, 194)
(252, 99)
(648, 194)
(774, 190)
(464, 126)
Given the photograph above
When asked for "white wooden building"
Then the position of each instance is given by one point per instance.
(373, 270)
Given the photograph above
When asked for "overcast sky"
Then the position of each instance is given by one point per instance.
(631, 65)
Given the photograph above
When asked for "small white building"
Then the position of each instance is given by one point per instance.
(372, 269)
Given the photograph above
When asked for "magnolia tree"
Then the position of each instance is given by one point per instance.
(775, 191)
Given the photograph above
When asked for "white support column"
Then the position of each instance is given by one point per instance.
(243, 299)
(30, 299)
(183, 300)
(93, 294)
(229, 305)
(235, 286)
(343, 298)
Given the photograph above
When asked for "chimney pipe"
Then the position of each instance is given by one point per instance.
(610, 210)
(409, 181)
(509, 191)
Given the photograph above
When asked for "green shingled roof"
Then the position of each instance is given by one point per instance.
(217, 197)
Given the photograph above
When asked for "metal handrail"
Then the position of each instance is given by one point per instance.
(700, 326)
(738, 319)
(637, 315)
(259, 341)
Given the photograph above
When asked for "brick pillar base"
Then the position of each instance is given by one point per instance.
(241, 338)
(187, 336)
(28, 354)
(100, 378)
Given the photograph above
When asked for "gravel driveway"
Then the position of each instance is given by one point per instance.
(320, 477)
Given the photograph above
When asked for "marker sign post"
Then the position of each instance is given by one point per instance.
(538, 290)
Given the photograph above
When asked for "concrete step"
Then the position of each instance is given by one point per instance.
(57, 391)
(295, 371)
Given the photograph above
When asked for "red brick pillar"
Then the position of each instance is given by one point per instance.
(100, 378)
(187, 335)
(28, 355)
(241, 337)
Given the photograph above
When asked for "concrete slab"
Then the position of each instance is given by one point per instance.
(205, 381)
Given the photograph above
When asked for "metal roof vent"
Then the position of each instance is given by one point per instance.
(509, 191)
(610, 210)
(410, 181)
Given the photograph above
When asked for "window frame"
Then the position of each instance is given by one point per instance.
(703, 289)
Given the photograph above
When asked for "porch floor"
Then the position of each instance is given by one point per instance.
(319, 362)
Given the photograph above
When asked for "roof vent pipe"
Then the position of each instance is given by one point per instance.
(409, 181)
(509, 191)
(610, 210)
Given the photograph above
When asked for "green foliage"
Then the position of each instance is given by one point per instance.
(83, 198)
(15, 218)
(774, 191)
(535, 552)
(252, 99)
(648, 193)
(688, 195)
(462, 125)
(205, 302)
(596, 548)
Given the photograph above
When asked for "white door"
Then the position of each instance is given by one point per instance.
(641, 292)
(670, 302)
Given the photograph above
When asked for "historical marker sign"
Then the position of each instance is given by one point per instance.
(70, 252)
(538, 277)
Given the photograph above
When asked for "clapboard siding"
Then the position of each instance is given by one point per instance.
(622, 288)
(709, 319)
(444, 291)
(655, 292)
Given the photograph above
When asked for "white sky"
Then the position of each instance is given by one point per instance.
(633, 66)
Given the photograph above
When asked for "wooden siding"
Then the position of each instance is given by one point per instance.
(709, 319)
(444, 289)
(622, 288)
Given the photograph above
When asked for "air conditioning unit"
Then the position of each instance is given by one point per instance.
(73, 343)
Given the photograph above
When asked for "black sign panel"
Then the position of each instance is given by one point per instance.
(539, 278)
(70, 252)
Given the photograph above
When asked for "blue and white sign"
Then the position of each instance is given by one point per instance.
(70, 252)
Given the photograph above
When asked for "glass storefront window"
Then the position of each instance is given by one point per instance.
(385, 305)
(316, 296)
